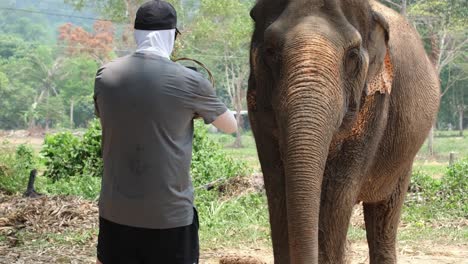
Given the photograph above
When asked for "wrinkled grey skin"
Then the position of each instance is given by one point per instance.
(326, 139)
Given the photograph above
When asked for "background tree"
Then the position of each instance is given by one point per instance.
(221, 27)
(442, 23)
(97, 44)
(15, 92)
(43, 71)
(78, 85)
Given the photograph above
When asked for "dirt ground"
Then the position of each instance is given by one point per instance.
(52, 216)
(425, 253)
(429, 254)
(22, 137)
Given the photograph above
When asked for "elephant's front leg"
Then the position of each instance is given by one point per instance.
(336, 207)
(382, 220)
(265, 132)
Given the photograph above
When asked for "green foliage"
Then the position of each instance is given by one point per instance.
(31, 28)
(68, 155)
(15, 166)
(450, 14)
(61, 155)
(77, 88)
(431, 198)
(444, 143)
(455, 186)
(91, 152)
(242, 219)
(84, 186)
(16, 95)
(209, 162)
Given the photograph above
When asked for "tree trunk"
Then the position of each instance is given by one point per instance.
(47, 112)
(238, 142)
(435, 59)
(403, 7)
(32, 124)
(72, 106)
(460, 119)
(127, 34)
(430, 141)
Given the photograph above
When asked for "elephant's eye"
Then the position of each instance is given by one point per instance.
(271, 54)
(353, 61)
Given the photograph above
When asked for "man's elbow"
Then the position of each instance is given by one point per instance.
(226, 123)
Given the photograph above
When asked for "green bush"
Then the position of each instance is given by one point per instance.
(91, 150)
(61, 155)
(15, 166)
(68, 155)
(431, 198)
(209, 162)
(454, 187)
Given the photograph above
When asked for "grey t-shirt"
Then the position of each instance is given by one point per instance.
(146, 104)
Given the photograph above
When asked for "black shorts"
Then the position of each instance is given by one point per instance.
(120, 244)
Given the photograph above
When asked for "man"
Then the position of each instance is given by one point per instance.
(147, 104)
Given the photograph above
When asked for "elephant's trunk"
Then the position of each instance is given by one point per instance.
(310, 109)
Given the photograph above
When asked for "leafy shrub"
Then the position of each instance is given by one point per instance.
(68, 155)
(431, 198)
(454, 187)
(61, 154)
(209, 162)
(91, 150)
(15, 166)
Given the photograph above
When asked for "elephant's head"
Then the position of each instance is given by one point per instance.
(312, 62)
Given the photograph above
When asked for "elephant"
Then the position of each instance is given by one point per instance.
(341, 97)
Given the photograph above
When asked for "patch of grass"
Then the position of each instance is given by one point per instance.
(444, 143)
(434, 169)
(247, 153)
(72, 238)
(84, 186)
(445, 235)
(232, 223)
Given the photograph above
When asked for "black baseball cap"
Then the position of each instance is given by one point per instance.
(156, 15)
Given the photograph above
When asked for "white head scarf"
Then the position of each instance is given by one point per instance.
(158, 42)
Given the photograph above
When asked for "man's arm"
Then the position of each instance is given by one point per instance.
(208, 106)
(226, 122)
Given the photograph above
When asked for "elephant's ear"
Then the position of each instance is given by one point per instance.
(380, 73)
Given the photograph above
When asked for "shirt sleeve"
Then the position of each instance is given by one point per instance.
(206, 104)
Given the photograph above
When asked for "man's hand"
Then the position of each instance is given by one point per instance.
(226, 123)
